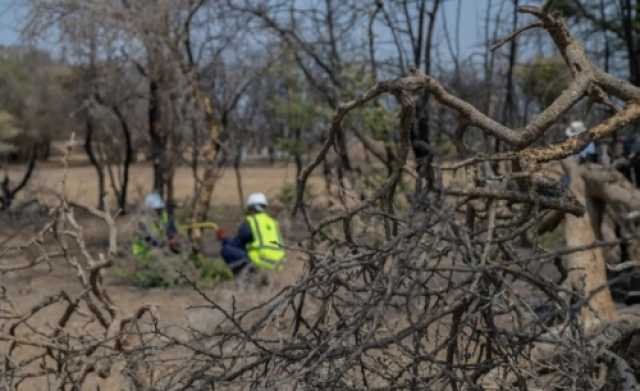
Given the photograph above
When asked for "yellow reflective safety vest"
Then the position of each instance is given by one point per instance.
(154, 229)
(265, 251)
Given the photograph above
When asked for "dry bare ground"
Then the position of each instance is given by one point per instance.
(82, 183)
(177, 309)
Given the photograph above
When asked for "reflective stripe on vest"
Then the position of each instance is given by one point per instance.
(162, 225)
(265, 251)
(156, 229)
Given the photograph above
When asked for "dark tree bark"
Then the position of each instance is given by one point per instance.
(158, 141)
(420, 137)
(120, 185)
(623, 24)
(605, 36)
(89, 148)
(9, 194)
(237, 161)
(128, 158)
(297, 155)
(509, 109)
(628, 28)
(321, 64)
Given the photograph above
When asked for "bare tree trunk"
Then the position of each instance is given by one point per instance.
(421, 134)
(195, 158)
(44, 149)
(587, 269)
(297, 155)
(335, 60)
(271, 150)
(120, 180)
(93, 158)
(628, 22)
(489, 65)
(9, 194)
(343, 151)
(169, 169)
(236, 169)
(112, 174)
(210, 152)
(327, 176)
(128, 159)
(157, 139)
(509, 109)
(605, 36)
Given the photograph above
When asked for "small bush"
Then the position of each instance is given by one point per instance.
(287, 194)
(159, 269)
(211, 270)
(156, 269)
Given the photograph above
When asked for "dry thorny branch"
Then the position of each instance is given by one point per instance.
(445, 297)
(90, 333)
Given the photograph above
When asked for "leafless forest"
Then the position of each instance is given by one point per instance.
(456, 217)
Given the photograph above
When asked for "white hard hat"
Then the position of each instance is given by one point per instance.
(575, 128)
(257, 199)
(154, 201)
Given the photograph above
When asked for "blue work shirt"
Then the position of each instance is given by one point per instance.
(234, 250)
(588, 150)
(242, 238)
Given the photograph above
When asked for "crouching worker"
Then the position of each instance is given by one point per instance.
(258, 243)
(156, 229)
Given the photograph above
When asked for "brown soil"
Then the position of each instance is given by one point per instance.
(29, 287)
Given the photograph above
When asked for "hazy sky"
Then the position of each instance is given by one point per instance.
(471, 13)
(9, 21)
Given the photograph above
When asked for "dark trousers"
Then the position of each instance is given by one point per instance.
(236, 258)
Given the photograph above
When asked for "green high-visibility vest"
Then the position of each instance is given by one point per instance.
(266, 250)
(157, 229)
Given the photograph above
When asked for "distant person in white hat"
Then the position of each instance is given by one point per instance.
(155, 229)
(258, 242)
(588, 154)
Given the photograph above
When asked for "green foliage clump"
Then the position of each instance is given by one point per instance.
(159, 269)
(34, 102)
(149, 279)
(287, 194)
(212, 270)
(292, 146)
(301, 115)
(299, 110)
(379, 122)
(155, 269)
(543, 79)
